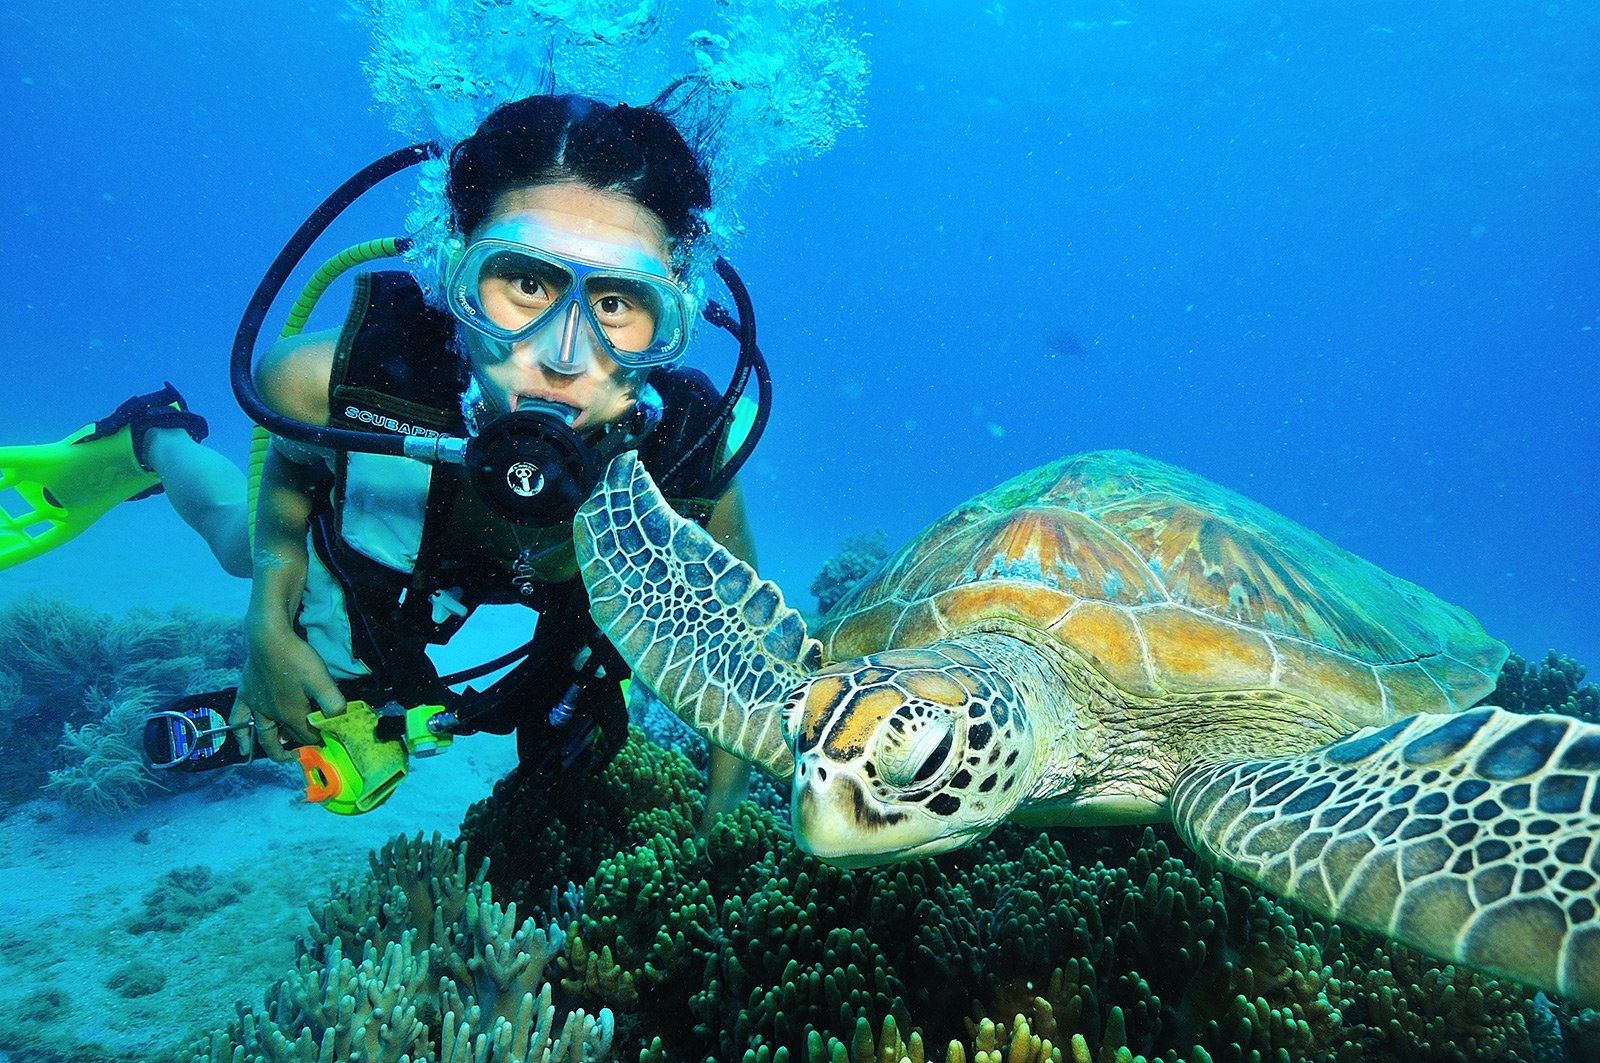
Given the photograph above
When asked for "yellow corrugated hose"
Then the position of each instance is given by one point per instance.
(299, 314)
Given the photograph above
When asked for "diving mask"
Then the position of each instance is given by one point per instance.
(507, 290)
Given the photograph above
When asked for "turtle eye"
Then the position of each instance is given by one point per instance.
(792, 718)
(913, 753)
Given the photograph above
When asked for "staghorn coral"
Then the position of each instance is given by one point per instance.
(1555, 685)
(469, 988)
(858, 555)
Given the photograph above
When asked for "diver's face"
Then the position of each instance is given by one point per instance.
(564, 361)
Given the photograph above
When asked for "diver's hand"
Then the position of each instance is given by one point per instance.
(283, 681)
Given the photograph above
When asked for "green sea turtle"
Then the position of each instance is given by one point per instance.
(1109, 639)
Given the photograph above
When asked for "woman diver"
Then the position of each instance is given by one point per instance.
(563, 306)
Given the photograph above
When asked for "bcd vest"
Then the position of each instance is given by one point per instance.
(403, 551)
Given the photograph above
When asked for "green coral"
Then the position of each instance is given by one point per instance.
(412, 885)
(416, 962)
(666, 730)
(538, 836)
(1085, 945)
(1554, 685)
(739, 943)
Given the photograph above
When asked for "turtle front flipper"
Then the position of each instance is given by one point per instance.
(697, 625)
(1473, 837)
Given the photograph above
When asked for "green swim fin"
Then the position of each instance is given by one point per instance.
(51, 492)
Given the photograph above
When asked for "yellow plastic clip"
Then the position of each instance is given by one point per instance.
(352, 771)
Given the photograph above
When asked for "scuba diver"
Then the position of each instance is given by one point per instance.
(426, 459)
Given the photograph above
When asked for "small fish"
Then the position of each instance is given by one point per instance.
(1065, 341)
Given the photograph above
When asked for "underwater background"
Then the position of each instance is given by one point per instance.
(1341, 258)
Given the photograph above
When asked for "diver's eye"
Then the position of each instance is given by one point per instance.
(624, 300)
(520, 282)
(915, 754)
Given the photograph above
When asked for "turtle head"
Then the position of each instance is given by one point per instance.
(905, 754)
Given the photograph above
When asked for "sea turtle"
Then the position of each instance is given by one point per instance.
(1109, 639)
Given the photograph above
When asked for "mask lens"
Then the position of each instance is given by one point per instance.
(509, 291)
(515, 289)
(629, 311)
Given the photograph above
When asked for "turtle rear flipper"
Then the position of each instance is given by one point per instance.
(1473, 837)
(697, 625)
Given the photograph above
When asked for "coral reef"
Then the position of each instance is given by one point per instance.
(538, 837)
(1089, 945)
(102, 770)
(416, 961)
(1107, 943)
(1553, 685)
(75, 684)
(666, 730)
(857, 556)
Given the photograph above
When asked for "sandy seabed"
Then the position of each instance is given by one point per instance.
(218, 877)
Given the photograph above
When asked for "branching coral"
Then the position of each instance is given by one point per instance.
(1139, 954)
(1010, 1042)
(538, 836)
(1555, 685)
(668, 731)
(857, 556)
(412, 885)
(1090, 945)
(457, 978)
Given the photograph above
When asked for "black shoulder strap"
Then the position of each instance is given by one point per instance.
(678, 455)
(396, 367)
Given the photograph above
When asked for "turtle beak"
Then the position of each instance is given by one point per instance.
(837, 820)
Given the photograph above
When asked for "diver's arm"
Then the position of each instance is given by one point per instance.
(730, 526)
(283, 675)
(728, 777)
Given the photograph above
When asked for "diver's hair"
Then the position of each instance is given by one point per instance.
(635, 151)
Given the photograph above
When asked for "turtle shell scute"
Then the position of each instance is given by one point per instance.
(1169, 584)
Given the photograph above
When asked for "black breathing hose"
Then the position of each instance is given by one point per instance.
(277, 275)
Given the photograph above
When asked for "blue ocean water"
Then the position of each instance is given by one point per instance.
(1341, 258)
